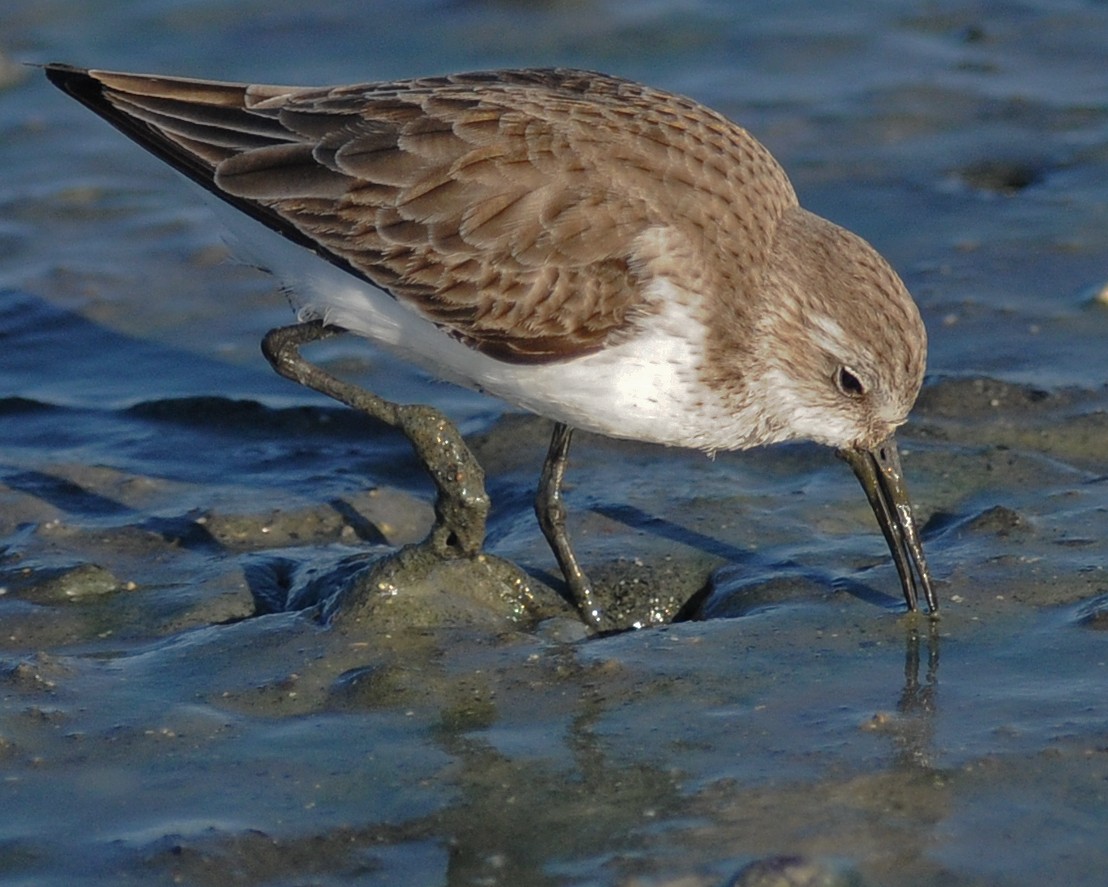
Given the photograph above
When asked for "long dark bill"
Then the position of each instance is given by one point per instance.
(878, 470)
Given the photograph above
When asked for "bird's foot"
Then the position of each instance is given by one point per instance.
(461, 503)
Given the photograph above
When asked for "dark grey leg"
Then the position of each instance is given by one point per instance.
(552, 519)
(461, 504)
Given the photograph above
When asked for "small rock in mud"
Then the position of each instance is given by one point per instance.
(1005, 177)
(38, 673)
(998, 520)
(969, 398)
(790, 871)
(1094, 614)
(733, 594)
(417, 588)
(71, 583)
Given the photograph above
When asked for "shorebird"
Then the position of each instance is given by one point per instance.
(617, 258)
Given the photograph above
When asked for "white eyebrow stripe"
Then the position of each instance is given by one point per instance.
(829, 335)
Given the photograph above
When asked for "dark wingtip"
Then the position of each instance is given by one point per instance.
(80, 84)
(86, 87)
(70, 78)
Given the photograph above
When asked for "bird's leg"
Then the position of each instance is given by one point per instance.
(461, 504)
(551, 513)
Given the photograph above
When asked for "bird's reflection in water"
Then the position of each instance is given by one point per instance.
(915, 727)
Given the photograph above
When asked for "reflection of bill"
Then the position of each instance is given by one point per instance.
(913, 727)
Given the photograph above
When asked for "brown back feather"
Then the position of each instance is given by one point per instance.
(505, 206)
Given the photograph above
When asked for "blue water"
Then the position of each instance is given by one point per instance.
(155, 734)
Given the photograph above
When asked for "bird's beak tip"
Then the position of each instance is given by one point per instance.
(882, 478)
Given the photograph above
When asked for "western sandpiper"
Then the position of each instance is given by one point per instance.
(614, 257)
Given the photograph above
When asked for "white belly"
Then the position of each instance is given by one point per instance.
(647, 387)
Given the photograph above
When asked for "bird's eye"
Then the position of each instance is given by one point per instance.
(847, 381)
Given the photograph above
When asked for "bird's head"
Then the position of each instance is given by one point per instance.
(843, 349)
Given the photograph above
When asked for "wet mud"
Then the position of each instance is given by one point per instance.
(225, 659)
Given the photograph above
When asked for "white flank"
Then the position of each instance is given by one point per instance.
(647, 387)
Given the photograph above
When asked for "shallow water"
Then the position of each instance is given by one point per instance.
(157, 481)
